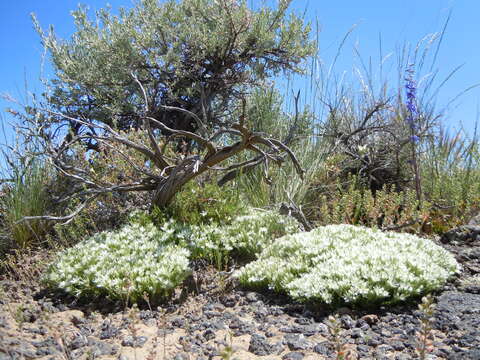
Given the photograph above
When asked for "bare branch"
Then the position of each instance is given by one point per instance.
(182, 133)
(193, 115)
(225, 131)
(158, 158)
(255, 160)
(290, 153)
(65, 219)
(132, 164)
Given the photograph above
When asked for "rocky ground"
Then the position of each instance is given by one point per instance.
(224, 321)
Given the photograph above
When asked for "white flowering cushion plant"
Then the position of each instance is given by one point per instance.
(122, 265)
(350, 264)
(246, 235)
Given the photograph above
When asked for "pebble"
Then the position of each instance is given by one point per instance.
(137, 342)
(321, 349)
(296, 342)
(293, 356)
(78, 342)
(386, 334)
(259, 345)
(209, 334)
(347, 322)
(181, 356)
(108, 330)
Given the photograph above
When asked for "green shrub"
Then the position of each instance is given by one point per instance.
(122, 265)
(207, 203)
(246, 236)
(360, 206)
(350, 264)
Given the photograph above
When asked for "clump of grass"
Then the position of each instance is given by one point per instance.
(228, 351)
(451, 164)
(389, 139)
(26, 195)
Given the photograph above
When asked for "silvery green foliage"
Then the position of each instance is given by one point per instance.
(345, 263)
(246, 235)
(182, 74)
(122, 264)
(182, 51)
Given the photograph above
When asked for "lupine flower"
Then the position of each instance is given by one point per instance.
(411, 87)
(411, 119)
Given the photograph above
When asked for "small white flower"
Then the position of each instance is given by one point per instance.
(100, 263)
(351, 263)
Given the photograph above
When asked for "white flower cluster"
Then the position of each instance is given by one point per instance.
(121, 264)
(352, 264)
(247, 235)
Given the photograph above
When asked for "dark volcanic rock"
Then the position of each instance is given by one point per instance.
(347, 322)
(322, 349)
(454, 310)
(293, 356)
(181, 356)
(462, 235)
(261, 347)
(179, 322)
(239, 327)
(78, 342)
(475, 220)
(473, 354)
(229, 300)
(458, 312)
(138, 341)
(297, 342)
(209, 334)
(108, 330)
(102, 348)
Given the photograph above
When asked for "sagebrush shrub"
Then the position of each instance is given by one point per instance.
(123, 264)
(350, 264)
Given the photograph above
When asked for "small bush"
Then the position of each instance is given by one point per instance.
(208, 203)
(122, 265)
(360, 206)
(246, 236)
(350, 264)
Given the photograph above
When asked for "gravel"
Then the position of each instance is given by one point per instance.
(256, 325)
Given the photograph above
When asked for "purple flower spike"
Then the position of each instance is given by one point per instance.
(411, 119)
(411, 87)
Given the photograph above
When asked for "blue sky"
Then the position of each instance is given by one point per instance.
(396, 21)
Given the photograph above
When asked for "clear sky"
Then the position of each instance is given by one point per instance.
(397, 21)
